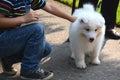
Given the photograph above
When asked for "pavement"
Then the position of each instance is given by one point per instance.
(59, 60)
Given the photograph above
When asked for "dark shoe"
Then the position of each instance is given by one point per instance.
(10, 72)
(112, 34)
(7, 69)
(38, 75)
(118, 26)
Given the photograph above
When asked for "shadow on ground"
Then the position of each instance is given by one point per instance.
(64, 67)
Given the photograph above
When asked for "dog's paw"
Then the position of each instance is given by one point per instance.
(81, 65)
(96, 61)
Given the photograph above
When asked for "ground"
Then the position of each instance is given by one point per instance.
(60, 62)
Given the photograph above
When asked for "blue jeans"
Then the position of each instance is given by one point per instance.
(26, 44)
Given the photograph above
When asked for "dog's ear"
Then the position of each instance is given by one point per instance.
(101, 24)
(101, 21)
(83, 21)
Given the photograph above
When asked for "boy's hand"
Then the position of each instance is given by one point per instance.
(6, 22)
(31, 16)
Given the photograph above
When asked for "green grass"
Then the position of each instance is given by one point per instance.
(118, 15)
(69, 2)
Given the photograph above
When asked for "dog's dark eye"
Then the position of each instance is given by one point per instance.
(96, 30)
(87, 29)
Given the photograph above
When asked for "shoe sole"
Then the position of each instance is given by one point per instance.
(10, 73)
(47, 78)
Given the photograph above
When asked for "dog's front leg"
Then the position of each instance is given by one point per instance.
(95, 57)
(80, 60)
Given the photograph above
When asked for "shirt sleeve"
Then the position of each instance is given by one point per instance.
(5, 7)
(38, 4)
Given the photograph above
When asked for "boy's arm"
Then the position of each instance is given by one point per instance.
(60, 13)
(10, 22)
(17, 21)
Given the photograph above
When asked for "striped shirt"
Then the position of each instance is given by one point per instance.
(14, 8)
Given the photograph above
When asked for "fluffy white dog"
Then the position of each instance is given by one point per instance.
(87, 35)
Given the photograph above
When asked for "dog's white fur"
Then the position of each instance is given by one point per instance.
(87, 35)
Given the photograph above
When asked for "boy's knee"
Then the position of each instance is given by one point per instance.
(48, 49)
(39, 28)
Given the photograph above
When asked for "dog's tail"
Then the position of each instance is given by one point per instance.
(89, 7)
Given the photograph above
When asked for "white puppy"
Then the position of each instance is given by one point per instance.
(86, 35)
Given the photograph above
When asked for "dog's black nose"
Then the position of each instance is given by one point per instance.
(91, 39)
